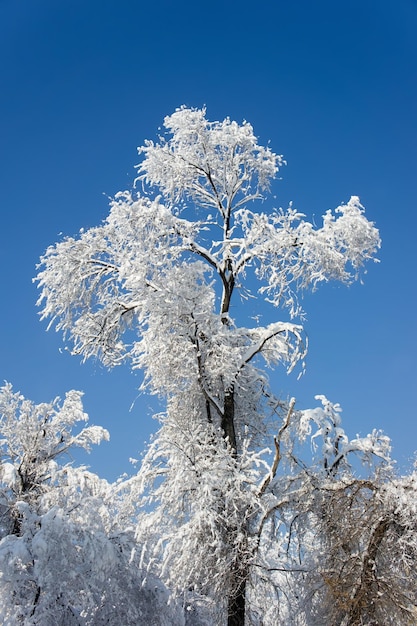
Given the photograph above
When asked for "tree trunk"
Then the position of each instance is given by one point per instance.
(237, 600)
(228, 419)
(237, 605)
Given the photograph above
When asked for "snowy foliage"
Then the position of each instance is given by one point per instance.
(33, 436)
(65, 556)
(147, 261)
(240, 533)
(336, 446)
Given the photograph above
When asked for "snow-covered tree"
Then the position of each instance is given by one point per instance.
(366, 551)
(65, 556)
(342, 547)
(169, 282)
(33, 438)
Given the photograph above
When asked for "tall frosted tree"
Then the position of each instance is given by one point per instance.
(171, 282)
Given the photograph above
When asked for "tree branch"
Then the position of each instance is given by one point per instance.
(277, 441)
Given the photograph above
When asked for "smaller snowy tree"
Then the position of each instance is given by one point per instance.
(367, 532)
(33, 437)
(66, 556)
(345, 531)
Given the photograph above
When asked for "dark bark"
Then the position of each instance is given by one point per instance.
(236, 609)
(237, 600)
(229, 284)
(36, 600)
(237, 604)
(228, 419)
(228, 279)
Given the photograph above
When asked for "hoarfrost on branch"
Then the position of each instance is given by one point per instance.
(229, 522)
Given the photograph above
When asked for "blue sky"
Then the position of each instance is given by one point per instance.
(331, 85)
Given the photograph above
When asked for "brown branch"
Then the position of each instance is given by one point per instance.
(277, 441)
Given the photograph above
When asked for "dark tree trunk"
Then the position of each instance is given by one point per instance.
(237, 600)
(228, 419)
(237, 605)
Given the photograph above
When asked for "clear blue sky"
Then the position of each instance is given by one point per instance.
(332, 86)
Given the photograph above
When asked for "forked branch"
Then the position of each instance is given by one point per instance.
(277, 441)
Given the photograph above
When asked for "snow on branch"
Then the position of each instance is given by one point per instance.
(210, 163)
(336, 446)
(33, 436)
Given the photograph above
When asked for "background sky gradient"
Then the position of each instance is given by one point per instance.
(331, 85)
